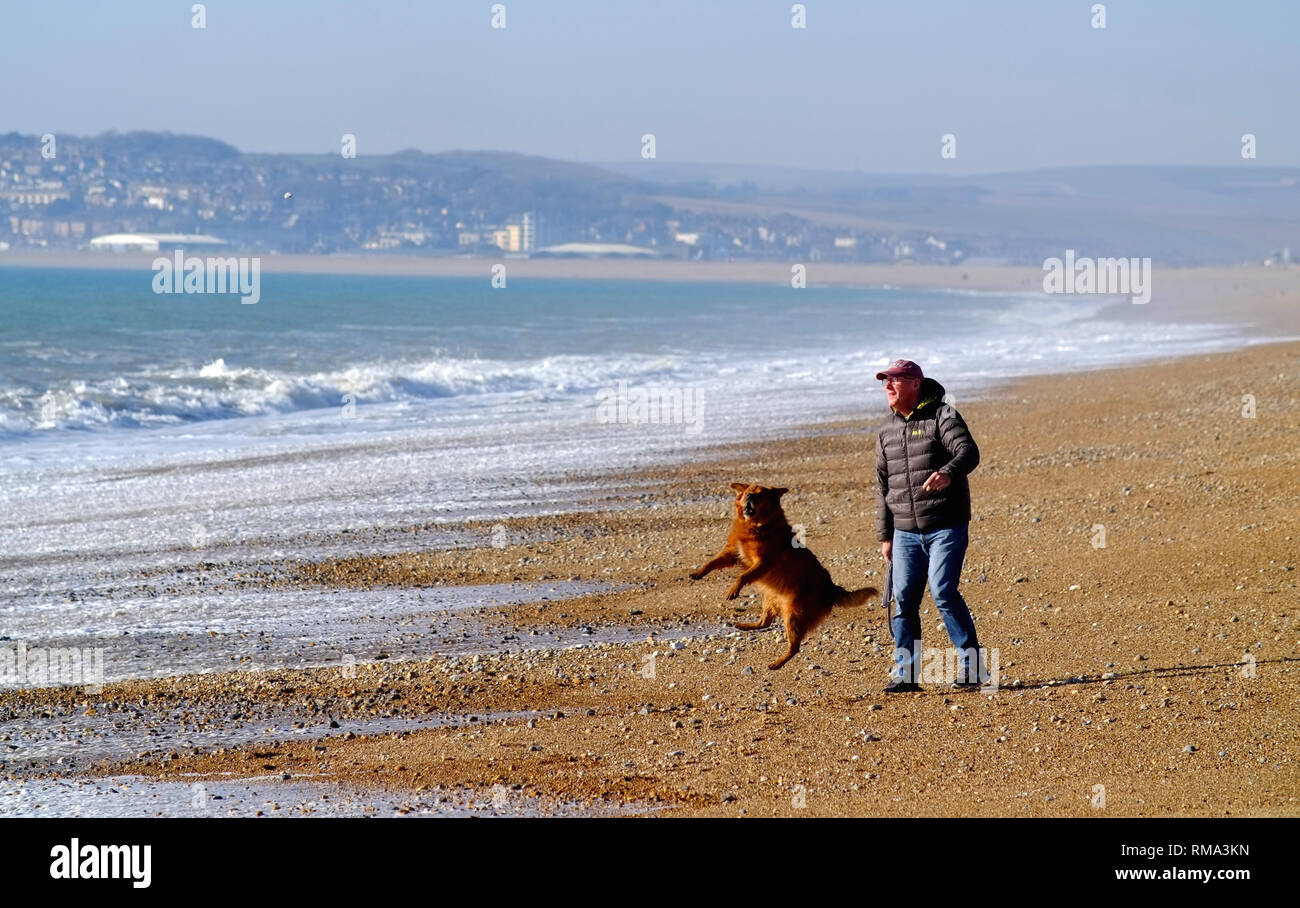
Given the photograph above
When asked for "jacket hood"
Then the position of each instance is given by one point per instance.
(931, 393)
(930, 389)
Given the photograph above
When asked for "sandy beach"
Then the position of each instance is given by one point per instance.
(1153, 675)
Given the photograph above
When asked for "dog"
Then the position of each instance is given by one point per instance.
(796, 587)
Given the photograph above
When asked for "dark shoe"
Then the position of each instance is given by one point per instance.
(902, 687)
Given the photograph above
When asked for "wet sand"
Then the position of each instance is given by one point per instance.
(1163, 666)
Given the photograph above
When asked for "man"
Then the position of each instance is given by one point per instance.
(923, 453)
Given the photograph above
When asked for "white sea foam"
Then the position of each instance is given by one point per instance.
(216, 390)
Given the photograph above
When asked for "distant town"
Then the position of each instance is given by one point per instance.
(142, 191)
(148, 191)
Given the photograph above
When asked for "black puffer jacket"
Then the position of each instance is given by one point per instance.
(908, 450)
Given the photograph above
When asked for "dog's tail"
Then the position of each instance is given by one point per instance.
(856, 597)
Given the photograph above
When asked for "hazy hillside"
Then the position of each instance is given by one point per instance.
(488, 202)
(1180, 215)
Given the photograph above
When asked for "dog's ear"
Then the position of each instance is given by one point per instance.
(779, 492)
(738, 487)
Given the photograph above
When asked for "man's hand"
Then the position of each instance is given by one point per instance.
(887, 549)
(937, 482)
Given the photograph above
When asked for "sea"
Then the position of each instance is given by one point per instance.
(134, 421)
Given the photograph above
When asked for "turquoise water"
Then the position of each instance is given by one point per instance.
(100, 351)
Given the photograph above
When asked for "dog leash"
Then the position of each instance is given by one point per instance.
(888, 595)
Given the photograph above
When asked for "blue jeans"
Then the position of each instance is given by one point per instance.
(936, 556)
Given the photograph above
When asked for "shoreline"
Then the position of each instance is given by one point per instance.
(978, 277)
(1173, 470)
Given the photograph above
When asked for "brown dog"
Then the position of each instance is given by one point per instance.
(797, 588)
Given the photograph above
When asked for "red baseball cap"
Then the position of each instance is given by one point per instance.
(901, 368)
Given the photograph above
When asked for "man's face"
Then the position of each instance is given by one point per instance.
(901, 393)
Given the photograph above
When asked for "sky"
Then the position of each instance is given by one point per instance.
(869, 86)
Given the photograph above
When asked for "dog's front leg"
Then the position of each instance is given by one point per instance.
(749, 576)
(725, 560)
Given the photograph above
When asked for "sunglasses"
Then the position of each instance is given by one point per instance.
(893, 381)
